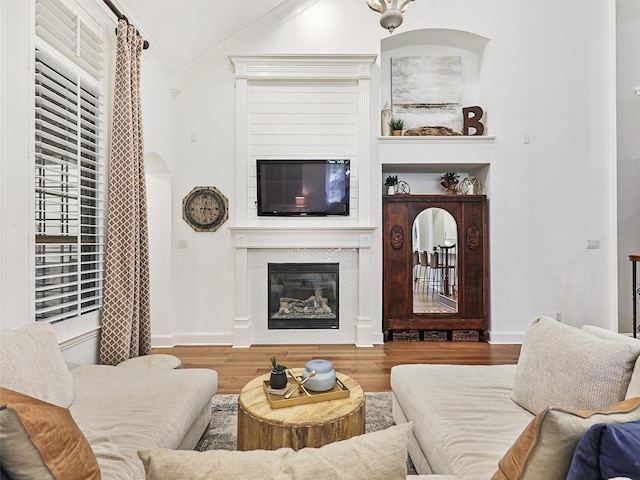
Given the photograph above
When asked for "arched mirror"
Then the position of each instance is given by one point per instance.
(434, 239)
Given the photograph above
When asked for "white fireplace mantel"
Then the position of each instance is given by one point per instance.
(302, 237)
(359, 238)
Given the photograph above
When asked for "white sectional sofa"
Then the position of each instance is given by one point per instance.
(119, 410)
(116, 423)
(466, 418)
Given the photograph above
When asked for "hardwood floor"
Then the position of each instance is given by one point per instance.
(368, 366)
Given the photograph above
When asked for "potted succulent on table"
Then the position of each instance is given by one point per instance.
(396, 125)
(278, 378)
(449, 181)
(390, 182)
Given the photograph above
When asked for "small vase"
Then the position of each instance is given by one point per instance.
(325, 377)
(396, 133)
(385, 118)
(391, 190)
(278, 379)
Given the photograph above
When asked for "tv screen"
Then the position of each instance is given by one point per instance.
(303, 187)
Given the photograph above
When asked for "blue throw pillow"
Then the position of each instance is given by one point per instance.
(606, 451)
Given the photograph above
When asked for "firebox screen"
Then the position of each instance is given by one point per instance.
(303, 295)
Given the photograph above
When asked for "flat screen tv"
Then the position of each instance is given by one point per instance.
(303, 187)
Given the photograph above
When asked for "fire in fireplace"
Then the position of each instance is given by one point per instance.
(303, 295)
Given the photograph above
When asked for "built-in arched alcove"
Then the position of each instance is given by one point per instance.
(460, 301)
(442, 37)
(470, 47)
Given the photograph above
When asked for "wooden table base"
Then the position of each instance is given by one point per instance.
(311, 425)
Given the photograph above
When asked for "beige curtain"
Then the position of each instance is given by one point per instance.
(126, 331)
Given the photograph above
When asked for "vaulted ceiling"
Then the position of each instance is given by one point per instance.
(182, 32)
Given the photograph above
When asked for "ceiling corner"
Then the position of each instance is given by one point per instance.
(218, 56)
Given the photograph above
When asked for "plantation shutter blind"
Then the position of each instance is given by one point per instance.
(69, 163)
(77, 37)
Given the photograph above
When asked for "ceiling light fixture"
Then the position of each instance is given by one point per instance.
(391, 11)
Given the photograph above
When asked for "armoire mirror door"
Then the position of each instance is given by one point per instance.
(466, 247)
(434, 237)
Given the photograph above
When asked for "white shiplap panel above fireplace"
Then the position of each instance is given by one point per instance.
(302, 106)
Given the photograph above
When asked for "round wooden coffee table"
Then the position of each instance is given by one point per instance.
(310, 425)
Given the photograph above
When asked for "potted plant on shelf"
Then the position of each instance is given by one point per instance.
(449, 181)
(390, 182)
(396, 125)
(278, 378)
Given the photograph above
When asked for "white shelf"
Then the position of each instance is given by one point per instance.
(437, 151)
(437, 139)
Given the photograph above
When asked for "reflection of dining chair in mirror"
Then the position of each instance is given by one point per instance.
(416, 267)
(424, 267)
(435, 271)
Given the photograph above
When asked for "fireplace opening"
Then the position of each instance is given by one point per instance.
(303, 295)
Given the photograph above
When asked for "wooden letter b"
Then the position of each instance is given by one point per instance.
(471, 117)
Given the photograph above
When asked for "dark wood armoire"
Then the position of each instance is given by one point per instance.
(472, 251)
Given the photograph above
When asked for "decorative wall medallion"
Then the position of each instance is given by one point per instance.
(473, 237)
(397, 237)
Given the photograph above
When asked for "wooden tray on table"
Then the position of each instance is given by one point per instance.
(339, 390)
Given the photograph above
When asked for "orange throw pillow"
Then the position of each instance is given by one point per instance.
(41, 440)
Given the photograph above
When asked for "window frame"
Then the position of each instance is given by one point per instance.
(80, 321)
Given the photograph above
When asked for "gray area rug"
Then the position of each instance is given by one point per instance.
(224, 417)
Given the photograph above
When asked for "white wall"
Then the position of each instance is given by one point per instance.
(159, 162)
(547, 197)
(204, 271)
(628, 103)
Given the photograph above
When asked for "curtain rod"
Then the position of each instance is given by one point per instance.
(120, 16)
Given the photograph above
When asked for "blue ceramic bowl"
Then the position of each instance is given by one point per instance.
(325, 377)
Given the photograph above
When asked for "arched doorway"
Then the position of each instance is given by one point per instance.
(158, 181)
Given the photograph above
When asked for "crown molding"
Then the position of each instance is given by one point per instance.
(217, 57)
(318, 66)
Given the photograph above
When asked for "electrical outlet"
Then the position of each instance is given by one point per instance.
(559, 316)
(593, 244)
(183, 244)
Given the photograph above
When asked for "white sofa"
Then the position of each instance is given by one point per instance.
(119, 410)
(108, 423)
(466, 418)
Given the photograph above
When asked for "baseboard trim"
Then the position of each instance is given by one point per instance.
(194, 338)
(226, 338)
(505, 337)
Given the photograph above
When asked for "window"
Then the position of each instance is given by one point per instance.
(69, 163)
